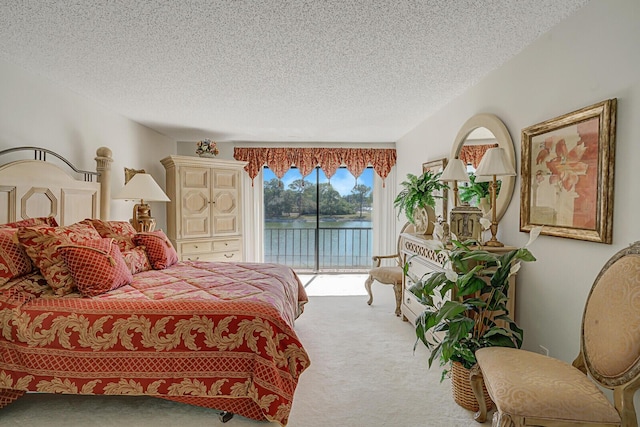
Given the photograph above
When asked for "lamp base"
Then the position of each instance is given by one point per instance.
(494, 244)
(142, 219)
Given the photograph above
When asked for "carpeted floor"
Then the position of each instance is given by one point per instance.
(364, 373)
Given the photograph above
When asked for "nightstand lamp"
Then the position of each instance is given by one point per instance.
(494, 163)
(142, 186)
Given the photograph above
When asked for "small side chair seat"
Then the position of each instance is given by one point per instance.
(531, 389)
(386, 276)
(391, 275)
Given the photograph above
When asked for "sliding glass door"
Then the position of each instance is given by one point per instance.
(316, 224)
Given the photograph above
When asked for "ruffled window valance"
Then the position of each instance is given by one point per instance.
(279, 160)
(472, 154)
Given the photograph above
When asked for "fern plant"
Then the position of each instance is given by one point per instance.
(418, 192)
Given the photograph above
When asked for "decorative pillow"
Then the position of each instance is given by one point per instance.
(14, 261)
(41, 244)
(30, 222)
(136, 259)
(159, 249)
(96, 266)
(122, 231)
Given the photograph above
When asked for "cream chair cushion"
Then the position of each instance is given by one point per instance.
(387, 275)
(527, 384)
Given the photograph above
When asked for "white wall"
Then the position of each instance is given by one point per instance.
(37, 112)
(590, 57)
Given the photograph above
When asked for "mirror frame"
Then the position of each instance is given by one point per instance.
(503, 139)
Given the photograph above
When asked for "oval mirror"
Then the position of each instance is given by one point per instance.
(487, 129)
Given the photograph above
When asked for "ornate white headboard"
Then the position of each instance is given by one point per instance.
(36, 187)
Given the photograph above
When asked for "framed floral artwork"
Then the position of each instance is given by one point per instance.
(568, 174)
(437, 166)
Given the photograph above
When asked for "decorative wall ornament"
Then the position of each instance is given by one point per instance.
(567, 174)
(280, 160)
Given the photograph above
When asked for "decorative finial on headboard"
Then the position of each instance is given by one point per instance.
(103, 167)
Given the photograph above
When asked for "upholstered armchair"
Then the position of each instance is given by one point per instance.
(389, 275)
(530, 389)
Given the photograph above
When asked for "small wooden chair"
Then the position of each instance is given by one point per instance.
(391, 275)
(530, 389)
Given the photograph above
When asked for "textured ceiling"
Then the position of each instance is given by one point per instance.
(272, 70)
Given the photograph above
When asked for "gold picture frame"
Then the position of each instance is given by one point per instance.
(437, 166)
(568, 174)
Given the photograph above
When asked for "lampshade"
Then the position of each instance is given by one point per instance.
(143, 187)
(495, 162)
(484, 178)
(456, 170)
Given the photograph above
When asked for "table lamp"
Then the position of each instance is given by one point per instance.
(455, 171)
(494, 163)
(142, 186)
(464, 220)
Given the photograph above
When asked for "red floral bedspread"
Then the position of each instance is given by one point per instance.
(218, 335)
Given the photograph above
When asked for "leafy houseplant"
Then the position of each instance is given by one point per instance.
(475, 190)
(417, 192)
(477, 315)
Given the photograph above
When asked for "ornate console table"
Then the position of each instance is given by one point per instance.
(422, 260)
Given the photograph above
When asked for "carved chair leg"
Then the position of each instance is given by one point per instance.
(623, 400)
(367, 285)
(476, 385)
(397, 288)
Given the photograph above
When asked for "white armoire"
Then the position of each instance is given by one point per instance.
(204, 216)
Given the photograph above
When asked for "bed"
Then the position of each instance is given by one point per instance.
(218, 335)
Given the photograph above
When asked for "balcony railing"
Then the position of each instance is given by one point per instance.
(322, 249)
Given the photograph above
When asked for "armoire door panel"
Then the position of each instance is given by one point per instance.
(225, 225)
(195, 177)
(195, 227)
(195, 202)
(225, 202)
(225, 179)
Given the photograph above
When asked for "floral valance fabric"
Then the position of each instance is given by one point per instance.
(472, 154)
(279, 160)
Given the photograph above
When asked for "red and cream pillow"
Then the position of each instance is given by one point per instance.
(96, 266)
(30, 222)
(159, 249)
(122, 231)
(41, 245)
(137, 260)
(14, 261)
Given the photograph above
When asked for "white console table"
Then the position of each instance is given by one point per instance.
(423, 260)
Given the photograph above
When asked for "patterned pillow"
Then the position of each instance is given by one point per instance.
(159, 249)
(96, 266)
(30, 222)
(14, 262)
(137, 260)
(122, 231)
(41, 244)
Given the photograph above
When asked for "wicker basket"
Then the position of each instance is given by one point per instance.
(462, 391)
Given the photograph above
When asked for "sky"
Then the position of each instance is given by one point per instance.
(343, 182)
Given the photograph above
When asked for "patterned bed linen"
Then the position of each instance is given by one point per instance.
(218, 335)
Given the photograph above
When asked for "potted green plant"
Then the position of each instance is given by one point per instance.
(467, 303)
(418, 193)
(476, 193)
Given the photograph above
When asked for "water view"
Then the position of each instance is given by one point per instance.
(310, 225)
